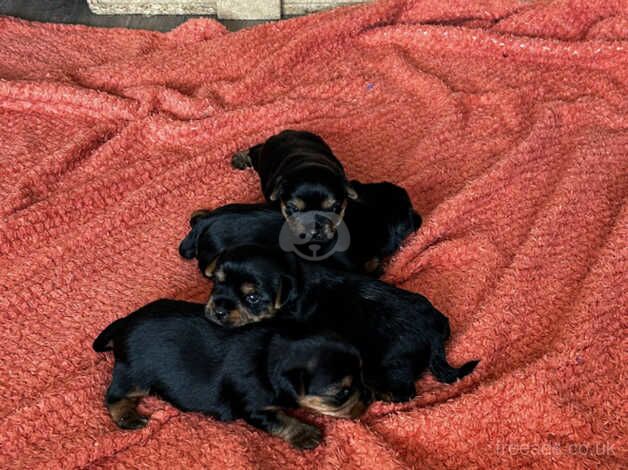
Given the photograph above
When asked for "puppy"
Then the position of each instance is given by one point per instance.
(382, 217)
(377, 223)
(299, 170)
(212, 232)
(168, 348)
(399, 333)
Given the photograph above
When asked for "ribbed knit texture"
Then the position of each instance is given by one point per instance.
(505, 120)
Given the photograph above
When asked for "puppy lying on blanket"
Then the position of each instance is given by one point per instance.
(398, 333)
(168, 348)
(299, 170)
(377, 222)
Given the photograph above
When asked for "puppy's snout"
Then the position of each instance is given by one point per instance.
(217, 309)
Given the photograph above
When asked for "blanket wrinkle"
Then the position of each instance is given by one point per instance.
(508, 130)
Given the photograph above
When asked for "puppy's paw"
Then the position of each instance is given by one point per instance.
(297, 433)
(382, 396)
(132, 421)
(373, 266)
(306, 437)
(241, 160)
(397, 396)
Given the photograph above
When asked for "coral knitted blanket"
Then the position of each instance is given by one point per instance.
(505, 120)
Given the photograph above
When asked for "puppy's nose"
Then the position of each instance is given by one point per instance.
(220, 313)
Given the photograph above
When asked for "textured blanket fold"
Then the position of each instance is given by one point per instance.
(505, 120)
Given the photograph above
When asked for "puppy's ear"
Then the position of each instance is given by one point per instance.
(351, 192)
(188, 248)
(285, 292)
(198, 215)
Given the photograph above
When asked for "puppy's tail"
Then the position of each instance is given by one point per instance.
(441, 368)
(104, 341)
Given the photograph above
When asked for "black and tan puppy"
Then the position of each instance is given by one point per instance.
(377, 223)
(398, 333)
(168, 348)
(212, 232)
(300, 171)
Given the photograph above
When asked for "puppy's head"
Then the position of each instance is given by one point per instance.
(323, 374)
(313, 201)
(393, 205)
(251, 283)
(309, 179)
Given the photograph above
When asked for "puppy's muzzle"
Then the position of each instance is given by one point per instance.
(222, 314)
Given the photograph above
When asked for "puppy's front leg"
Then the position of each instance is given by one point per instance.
(291, 430)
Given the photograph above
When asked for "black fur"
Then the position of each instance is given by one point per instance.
(225, 227)
(168, 348)
(398, 333)
(380, 219)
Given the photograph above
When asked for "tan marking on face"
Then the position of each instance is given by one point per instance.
(210, 268)
(247, 288)
(295, 225)
(351, 193)
(299, 203)
(273, 196)
(220, 275)
(341, 214)
(278, 303)
(328, 203)
(235, 317)
(346, 381)
(242, 316)
(353, 407)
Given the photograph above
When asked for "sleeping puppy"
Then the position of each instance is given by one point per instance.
(212, 232)
(377, 223)
(168, 348)
(399, 333)
(383, 217)
(299, 170)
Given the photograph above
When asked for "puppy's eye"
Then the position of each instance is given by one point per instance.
(336, 207)
(252, 299)
(291, 207)
(343, 394)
